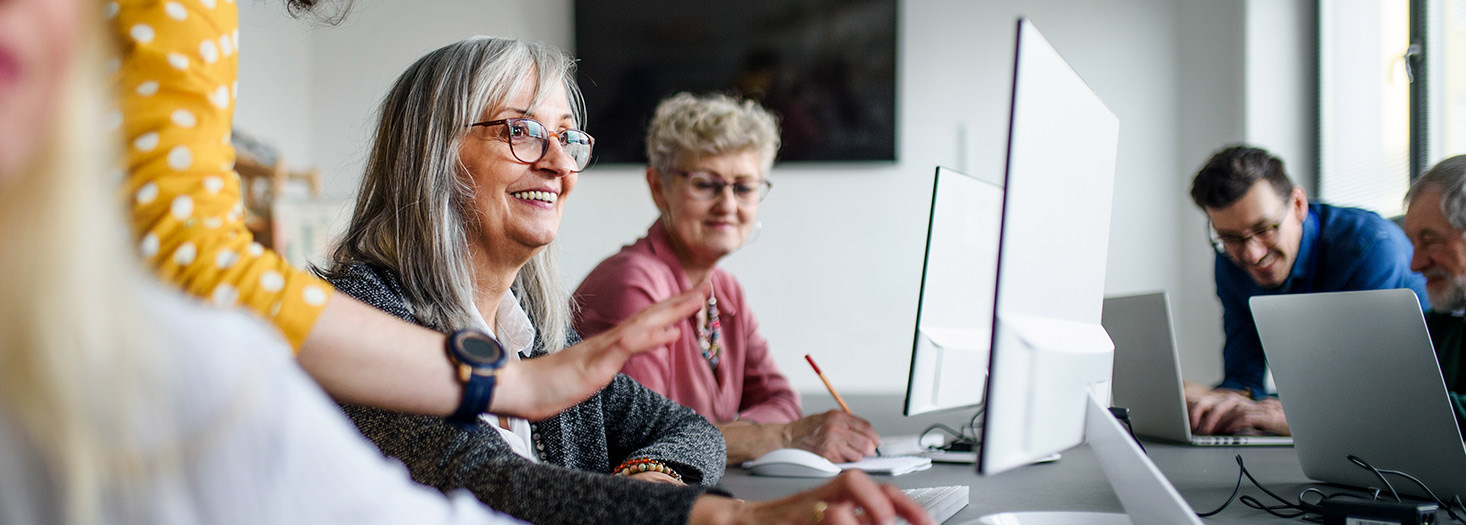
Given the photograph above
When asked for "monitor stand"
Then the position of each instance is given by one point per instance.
(1145, 493)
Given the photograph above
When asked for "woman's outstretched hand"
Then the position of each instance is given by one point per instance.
(542, 387)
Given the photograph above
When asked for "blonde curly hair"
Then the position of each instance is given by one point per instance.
(686, 127)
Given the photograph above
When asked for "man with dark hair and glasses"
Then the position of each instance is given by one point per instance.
(1270, 240)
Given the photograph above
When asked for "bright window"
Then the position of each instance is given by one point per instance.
(1446, 51)
(1364, 104)
(1366, 136)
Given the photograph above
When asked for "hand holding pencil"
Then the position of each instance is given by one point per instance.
(838, 435)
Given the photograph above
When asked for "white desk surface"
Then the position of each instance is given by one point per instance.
(1203, 475)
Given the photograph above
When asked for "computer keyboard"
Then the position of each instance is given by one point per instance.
(941, 502)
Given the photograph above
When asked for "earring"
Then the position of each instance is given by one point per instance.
(758, 228)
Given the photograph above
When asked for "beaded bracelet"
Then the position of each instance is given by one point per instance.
(639, 465)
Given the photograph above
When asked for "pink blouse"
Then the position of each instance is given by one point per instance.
(746, 384)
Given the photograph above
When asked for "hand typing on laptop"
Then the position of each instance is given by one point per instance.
(1223, 411)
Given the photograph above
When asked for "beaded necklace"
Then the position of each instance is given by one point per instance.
(710, 334)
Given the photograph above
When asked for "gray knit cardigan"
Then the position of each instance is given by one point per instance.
(579, 447)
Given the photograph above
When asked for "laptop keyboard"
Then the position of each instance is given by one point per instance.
(941, 502)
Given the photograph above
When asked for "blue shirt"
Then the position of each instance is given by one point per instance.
(1342, 249)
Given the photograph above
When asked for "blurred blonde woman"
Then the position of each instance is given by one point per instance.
(119, 401)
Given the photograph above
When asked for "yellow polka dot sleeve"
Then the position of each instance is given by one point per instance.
(176, 87)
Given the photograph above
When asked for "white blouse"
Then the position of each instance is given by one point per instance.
(515, 332)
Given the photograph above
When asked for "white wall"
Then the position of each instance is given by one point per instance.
(1210, 100)
(836, 268)
(1282, 83)
(275, 86)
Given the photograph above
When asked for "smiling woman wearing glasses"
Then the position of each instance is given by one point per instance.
(1270, 240)
(476, 155)
(710, 160)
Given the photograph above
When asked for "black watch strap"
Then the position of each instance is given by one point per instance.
(477, 393)
(480, 356)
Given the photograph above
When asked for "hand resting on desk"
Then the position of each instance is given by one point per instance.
(836, 435)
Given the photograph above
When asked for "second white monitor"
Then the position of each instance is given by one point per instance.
(954, 316)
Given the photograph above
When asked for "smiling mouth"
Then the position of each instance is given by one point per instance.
(542, 196)
(1266, 261)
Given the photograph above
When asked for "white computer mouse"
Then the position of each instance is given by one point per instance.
(792, 463)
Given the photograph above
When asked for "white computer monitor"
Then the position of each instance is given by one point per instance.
(954, 315)
(1049, 349)
(1050, 359)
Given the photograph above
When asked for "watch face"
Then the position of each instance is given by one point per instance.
(481, 349)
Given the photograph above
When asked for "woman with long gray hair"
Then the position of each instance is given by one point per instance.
(476, 152)
(175, 73)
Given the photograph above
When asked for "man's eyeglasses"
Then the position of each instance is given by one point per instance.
(529, 140)
(707, 186)
(1231, 243)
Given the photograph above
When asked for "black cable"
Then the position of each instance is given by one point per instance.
(966, 437)
(1377, 473)
(1438, 501)
(1257, 504)
(1323, 497)
(1123, 415)
(1235, 490)
(957, 436)
(1312, 512)
(1300, 509)
(944, 428)
(1428, 492)
(1262, 488)
(974, 424)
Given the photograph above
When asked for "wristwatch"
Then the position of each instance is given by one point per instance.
(478, 358)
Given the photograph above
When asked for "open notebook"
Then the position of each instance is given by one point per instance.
(800, 463)
(888, 465)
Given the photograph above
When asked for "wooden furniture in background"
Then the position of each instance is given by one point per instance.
(263, 186)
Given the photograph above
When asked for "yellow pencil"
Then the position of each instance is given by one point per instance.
(829, 386)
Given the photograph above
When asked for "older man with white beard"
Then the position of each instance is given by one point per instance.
(1436, 225)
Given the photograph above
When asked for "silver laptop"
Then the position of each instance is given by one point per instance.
(1357, 374)
(1147, 373)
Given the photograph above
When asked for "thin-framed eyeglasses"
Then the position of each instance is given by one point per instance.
(709, 186)
(529, 140)
(1267, 234)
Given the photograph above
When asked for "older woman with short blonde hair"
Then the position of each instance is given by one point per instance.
(710, 161)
